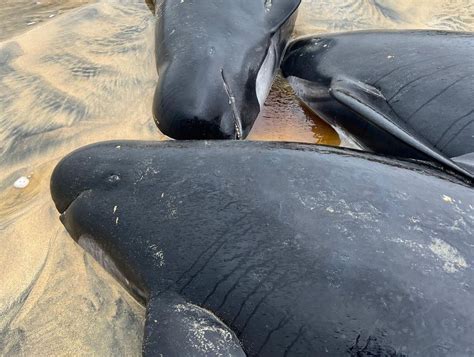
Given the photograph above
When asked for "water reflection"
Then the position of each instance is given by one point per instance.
(17, 16)
(285, 118)
(69, 77)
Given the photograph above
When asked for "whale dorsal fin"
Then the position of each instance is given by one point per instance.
(368, 102)
(175, 327)
(279, 11)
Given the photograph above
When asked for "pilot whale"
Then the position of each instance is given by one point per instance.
(402, 93)
(216, 61)
(273, 249)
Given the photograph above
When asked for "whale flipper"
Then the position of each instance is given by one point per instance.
(175, 327)
(368, 102)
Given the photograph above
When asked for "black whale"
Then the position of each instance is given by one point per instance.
(216, 60)
(402, 93)
(278, 249)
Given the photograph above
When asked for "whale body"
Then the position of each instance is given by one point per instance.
(271, 249)
(402, 93)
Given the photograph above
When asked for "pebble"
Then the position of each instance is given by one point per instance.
(21, 182)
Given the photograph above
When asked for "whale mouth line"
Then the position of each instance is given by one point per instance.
(237, 120)
(63, 210)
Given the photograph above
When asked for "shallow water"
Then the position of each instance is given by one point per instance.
(75, 72)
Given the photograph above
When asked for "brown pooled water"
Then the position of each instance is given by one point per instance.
(75, 72)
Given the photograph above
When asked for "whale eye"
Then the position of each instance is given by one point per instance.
(113, 178)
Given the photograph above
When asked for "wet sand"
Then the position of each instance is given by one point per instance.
(17, 16)
(87, 74)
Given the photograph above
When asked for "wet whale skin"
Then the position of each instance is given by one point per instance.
(403, 93)
(278, 249)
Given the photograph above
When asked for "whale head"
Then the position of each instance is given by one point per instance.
(86, 188)
(216, 60)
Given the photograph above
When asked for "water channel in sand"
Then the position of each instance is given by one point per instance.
(74, 72)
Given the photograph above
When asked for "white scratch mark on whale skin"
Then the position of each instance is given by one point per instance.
(199, 327)
(451, 257)
(447, 199)
(158, 255)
